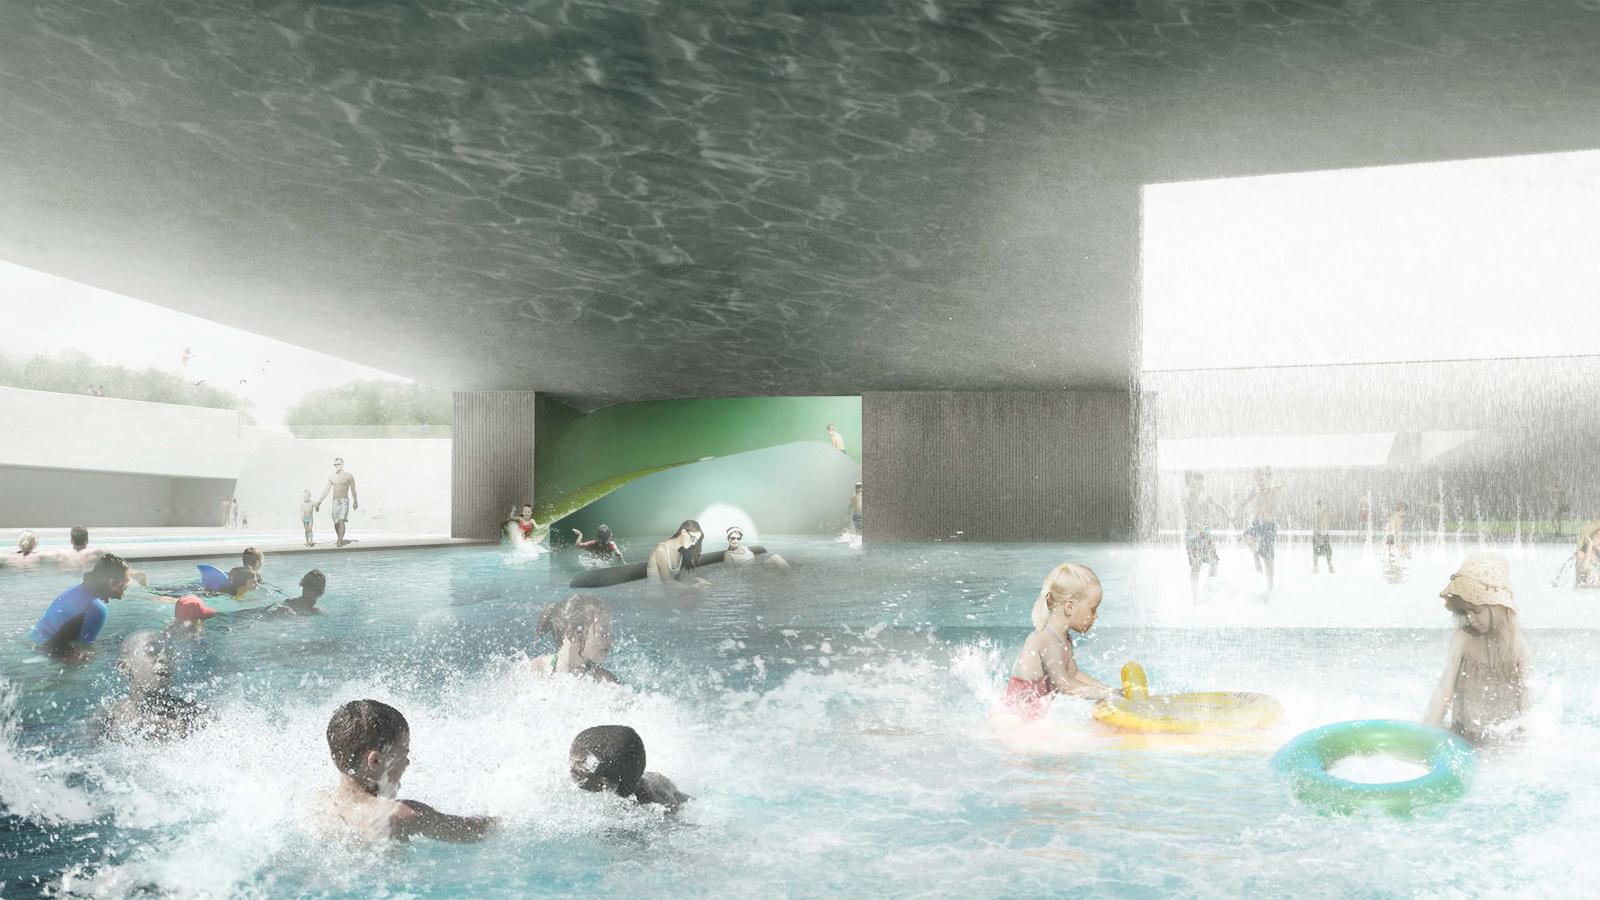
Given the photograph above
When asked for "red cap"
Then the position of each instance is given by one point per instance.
(193, 609)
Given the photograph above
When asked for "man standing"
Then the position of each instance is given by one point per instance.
(343, 486)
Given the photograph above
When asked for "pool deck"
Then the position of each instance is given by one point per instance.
(156, 544)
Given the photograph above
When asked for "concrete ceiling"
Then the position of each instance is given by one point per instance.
(632, 200)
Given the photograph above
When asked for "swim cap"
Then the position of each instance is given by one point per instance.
(193, 609)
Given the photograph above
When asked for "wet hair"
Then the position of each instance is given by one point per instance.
(607, 758)
(314, 580)
(1067, 581)
(108, 569)
(251, 557)
(603, 535)
(80, 537)
(690, 555)
(27, 539)
(571, 619)
(361, 726)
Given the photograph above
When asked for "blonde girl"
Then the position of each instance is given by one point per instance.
(1069, 601)
(1484, 690)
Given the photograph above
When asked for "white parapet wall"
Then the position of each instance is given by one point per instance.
(77, 460)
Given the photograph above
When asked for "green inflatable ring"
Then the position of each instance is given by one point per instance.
(1305, 761)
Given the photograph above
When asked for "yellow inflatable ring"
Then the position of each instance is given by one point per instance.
(1190, 713)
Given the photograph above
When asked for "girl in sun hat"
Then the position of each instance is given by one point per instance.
(1484, 690)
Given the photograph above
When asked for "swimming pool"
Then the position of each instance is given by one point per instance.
(832, 727)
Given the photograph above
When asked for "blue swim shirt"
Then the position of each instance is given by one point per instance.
(74, 603)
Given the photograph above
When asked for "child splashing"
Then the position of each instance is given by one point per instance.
(1484, 689)
(1069, 601)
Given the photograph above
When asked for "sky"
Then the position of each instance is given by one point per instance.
(46, 315)
(1474, 259)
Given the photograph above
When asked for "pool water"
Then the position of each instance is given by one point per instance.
(832, 726)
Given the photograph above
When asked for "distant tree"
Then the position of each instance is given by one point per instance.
(73, 373)
(367, 404)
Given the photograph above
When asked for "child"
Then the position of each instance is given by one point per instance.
(582, 627)
(835, 438)
(521, 527)
(189, 618)
(370, 743)
(1394, 538)
(312, 586)
(1321, 545)
(1484, 688)
(1586, 555)
(855, 510)
(149, 711)
(1070, 599)
(611, 758)
(1197, 521)
(602, 545)
(307, 508)
(1263, 530)
(26, 556)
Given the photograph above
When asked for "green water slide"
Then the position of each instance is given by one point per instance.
(580, 458)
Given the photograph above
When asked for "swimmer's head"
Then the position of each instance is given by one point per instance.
(607, 758)
(735, 534)
(143, 660)
(80, 537)
(603, 534)
(695, 536)
(527, 510)
(109, 577)
(1075, 591)
(190, 614)
(582, 620)
(370, 743)
(314, 583)
(252, 558)
(242, 580)
(27, 542)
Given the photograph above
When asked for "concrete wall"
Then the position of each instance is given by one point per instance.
(492, 460)
(77, 460)
(990, 466)
(57, 498)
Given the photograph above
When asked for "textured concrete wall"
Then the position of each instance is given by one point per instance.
(991, 466)
(491, 463)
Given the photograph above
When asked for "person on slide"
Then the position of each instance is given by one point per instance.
(74, 618)
(521, 527)
(1046, 667)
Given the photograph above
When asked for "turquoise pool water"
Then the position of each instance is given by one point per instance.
(832, 727)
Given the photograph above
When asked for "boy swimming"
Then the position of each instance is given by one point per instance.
(312, 586)
(370, 743)
(150, 711)
(611, 758)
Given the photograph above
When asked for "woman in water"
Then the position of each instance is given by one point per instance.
(582, 627)
(1484, 689)
(1045, 667)
(602, 546)
(738, 554)
(676, 558)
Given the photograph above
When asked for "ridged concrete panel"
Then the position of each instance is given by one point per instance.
(491, 465)
(997, 466)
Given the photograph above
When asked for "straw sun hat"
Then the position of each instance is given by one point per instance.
(1484, 579)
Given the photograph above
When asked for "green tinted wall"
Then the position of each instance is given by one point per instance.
(579, 458)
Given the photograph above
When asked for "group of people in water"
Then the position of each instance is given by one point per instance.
(1482, 694)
